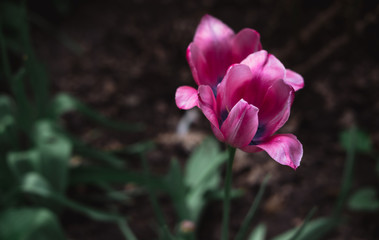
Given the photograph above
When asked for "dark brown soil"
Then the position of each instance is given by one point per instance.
(133, 60)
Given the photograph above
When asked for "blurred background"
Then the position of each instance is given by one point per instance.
(126, 58)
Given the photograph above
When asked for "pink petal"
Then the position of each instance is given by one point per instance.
(294, 79)
(233, 87)
(251, 149)
(247, 41)
(284, 148)
(241, 124)
(207, 104)
(186, 97)
(266, 69)
(198, 65)
(211, 29)
(210, 54)
(265, 66)
(275, 109)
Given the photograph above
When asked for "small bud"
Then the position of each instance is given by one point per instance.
(187, 226)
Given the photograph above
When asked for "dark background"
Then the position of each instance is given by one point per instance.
(131, 58)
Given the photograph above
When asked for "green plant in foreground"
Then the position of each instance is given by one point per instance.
(35, 150)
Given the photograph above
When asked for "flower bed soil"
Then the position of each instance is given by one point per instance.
(133, 60)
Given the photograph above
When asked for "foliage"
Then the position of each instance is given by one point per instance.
(35, 150)
(35, 155)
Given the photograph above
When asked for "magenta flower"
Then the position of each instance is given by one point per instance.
(252, 103)
(247, 102)
(214, 49)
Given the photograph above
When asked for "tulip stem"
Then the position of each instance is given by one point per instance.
(227, 187)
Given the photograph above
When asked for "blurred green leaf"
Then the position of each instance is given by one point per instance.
(29, 224)
(12, 15)
(136, 148)
(203, 162)
(202, 174)
(95, 154)
(21, 163)
(253, 209)
(361, 140)
(34, 183)
(63, 103)
(365, 199)
(6, 113)
(259, 232)
(110, 175)
(55, 152)
(218, 194)
(51, 29)
(177, 189)
(315, 229)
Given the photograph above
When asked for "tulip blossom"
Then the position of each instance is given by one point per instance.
(253, 101)
(214, 49)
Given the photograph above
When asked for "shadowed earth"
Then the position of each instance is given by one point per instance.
(133, 59)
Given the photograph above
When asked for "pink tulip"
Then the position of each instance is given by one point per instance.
(253, 101)
(215, 47)
(244, 92)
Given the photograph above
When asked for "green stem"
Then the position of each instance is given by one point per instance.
(347, 174)
(227, 187)
(249, 217)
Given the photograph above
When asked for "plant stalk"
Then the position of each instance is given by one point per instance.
(227, 187)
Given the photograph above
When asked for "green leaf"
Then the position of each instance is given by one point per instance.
(29, 224)
(313, 230)
(95, 154)
(65, 103)
(365, 199)
(177, 189)
(361, 141)
(202, 174)
(250, 215)
(219, 194)
(95, 175)
(34, 183)
(21, 163)
(12, 14)
(203, 162)
(6, 113)
(259, 233)
(55, 152)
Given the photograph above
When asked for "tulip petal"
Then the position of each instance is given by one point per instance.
(275, 109)
(265, 66)
(286, 149)
(294, 79)
(211, 29)
(233, 87)
(186, 97)
(266, 69)
(207, 104)
(198, 65)
(247, 41)
(210, 54)
(241, 124)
